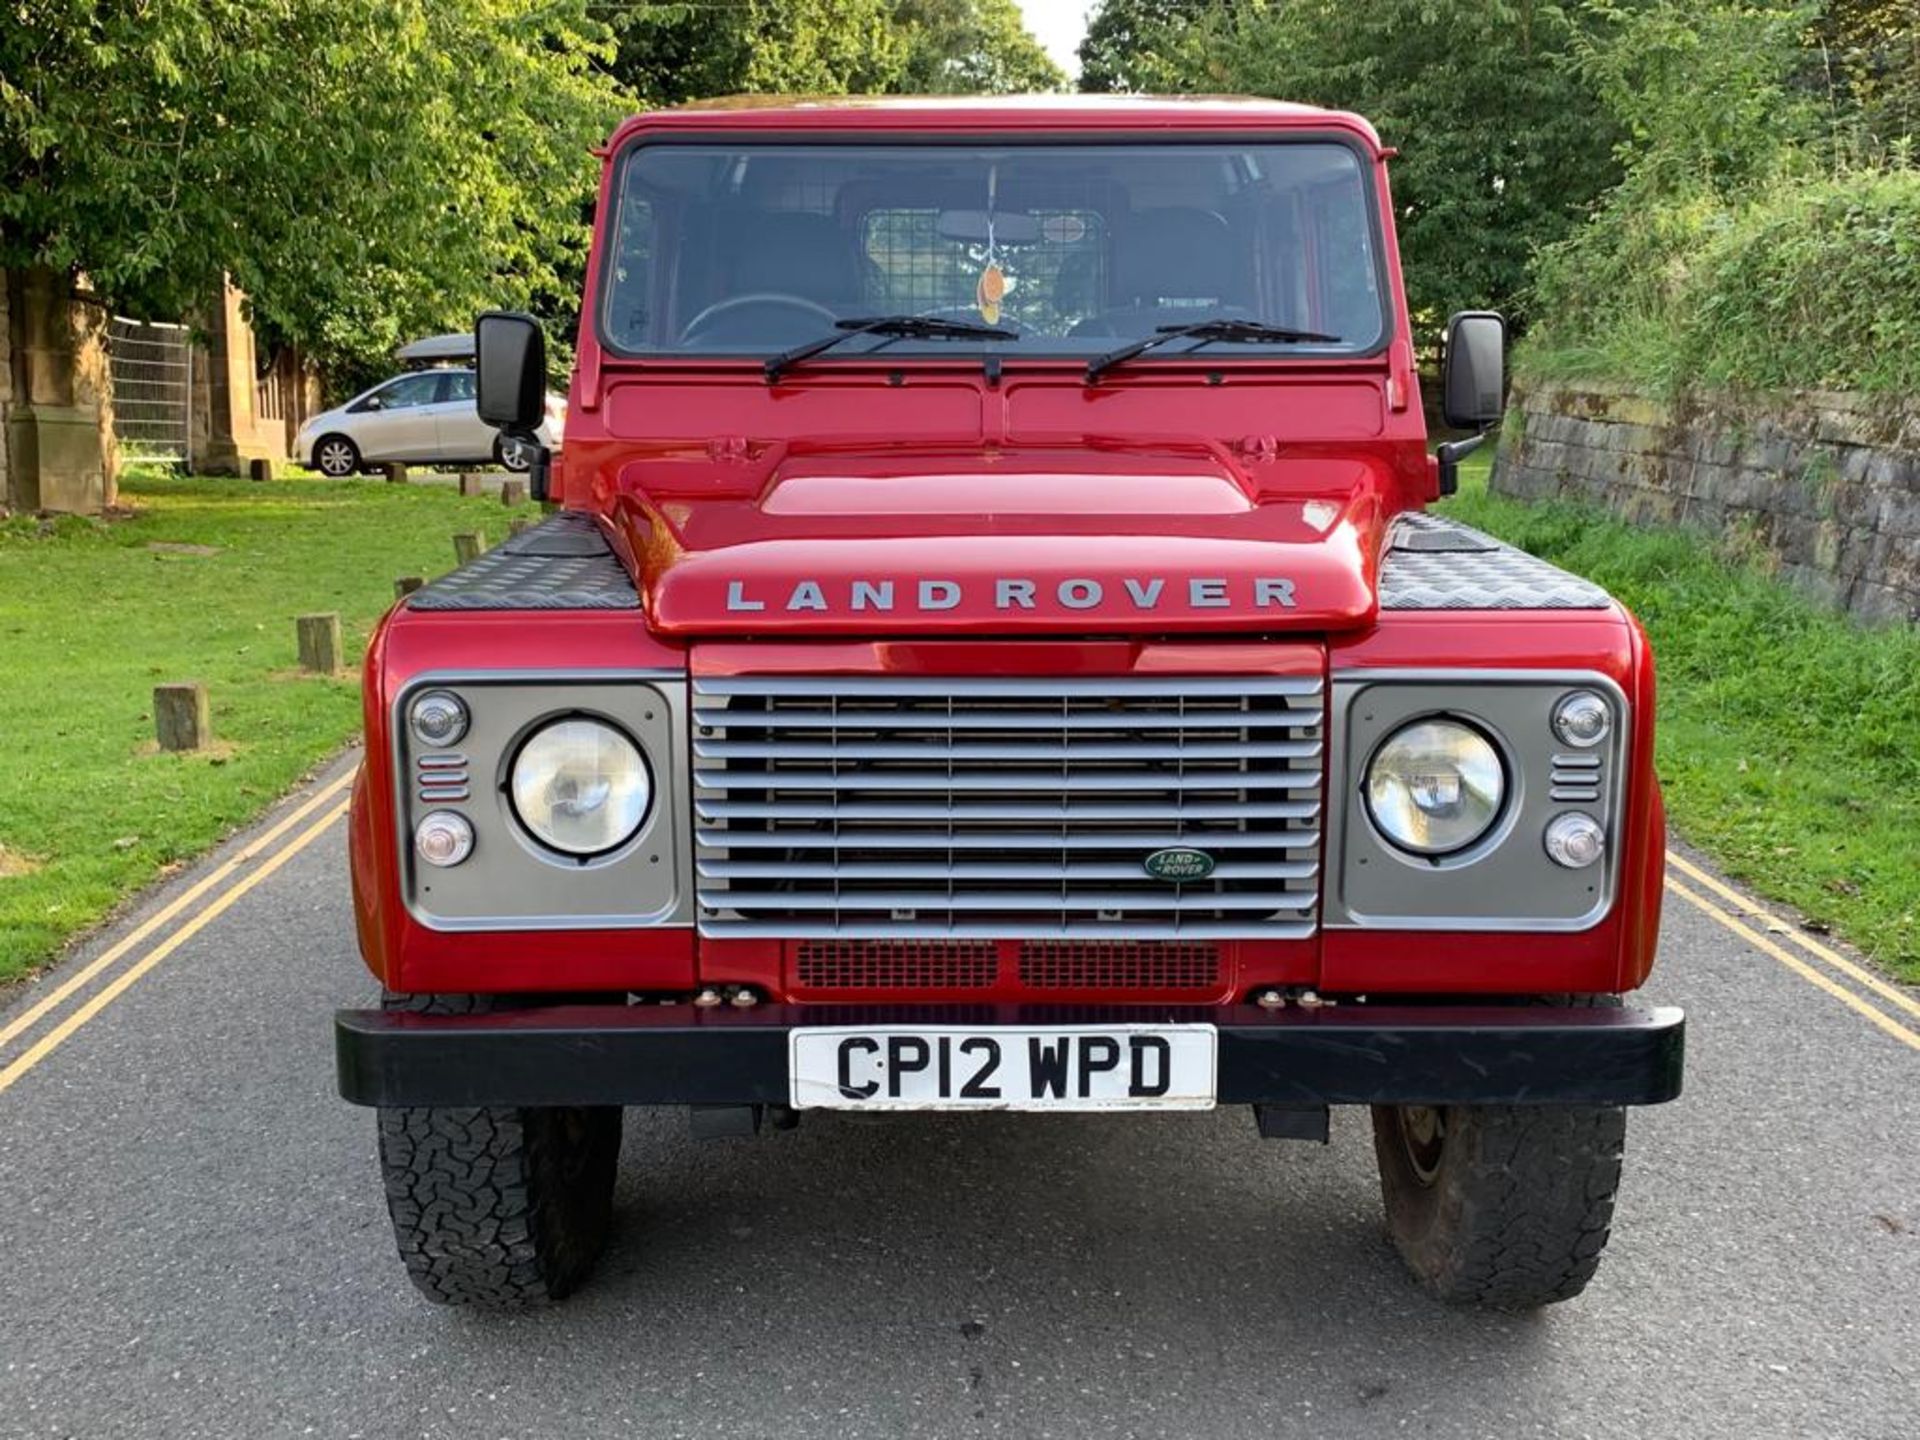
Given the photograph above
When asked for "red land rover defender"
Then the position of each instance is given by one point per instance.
(991, 654)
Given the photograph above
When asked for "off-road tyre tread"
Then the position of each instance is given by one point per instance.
(1524, 1211)
(497, 1207)
(1521, 1208)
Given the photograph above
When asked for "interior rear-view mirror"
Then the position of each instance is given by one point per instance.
(1007, 227)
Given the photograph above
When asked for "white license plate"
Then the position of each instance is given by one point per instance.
(1012, 1067)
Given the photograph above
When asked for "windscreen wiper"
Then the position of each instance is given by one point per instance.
(1251, 332)
(899, 327)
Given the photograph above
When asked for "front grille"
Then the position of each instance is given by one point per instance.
(883, 807)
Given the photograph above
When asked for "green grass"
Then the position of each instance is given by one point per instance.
(92, 616)
(1789, 736)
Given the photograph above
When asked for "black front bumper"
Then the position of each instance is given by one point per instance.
(1471, 1054)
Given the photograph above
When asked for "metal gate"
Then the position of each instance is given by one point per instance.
(152, 368)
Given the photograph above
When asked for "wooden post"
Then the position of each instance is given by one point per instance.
(472, 483)
(513, 492)
(467, 546)
(396, 473)
(405, 585)
(519, 525)
(182, 719)
(319, 643)
(260, 468)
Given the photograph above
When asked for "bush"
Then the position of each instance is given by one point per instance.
(1807, 284)
(1748, 247)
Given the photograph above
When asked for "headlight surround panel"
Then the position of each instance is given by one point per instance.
(515, 879)
(1503, 880)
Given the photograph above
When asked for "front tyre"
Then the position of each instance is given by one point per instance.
(514, 455)
(503, 1207)
(1499, 1205)
(336, 457)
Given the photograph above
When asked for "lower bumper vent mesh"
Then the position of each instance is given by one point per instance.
(822, 965)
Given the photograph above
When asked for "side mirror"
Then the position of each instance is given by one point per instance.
(510, 384)
(1473, 386)
(1474, 378)
(510, 365)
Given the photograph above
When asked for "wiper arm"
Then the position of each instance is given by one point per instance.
(1251, 332)
(903, 327)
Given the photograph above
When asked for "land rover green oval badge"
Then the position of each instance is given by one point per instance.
(1178, 863)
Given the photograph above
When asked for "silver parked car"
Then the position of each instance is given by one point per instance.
(426, 417)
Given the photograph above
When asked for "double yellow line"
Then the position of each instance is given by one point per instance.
(1899, 999)
(184, 903)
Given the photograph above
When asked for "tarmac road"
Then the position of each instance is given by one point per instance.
(193, 1242)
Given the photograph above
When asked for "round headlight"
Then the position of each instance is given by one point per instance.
(581, 787)
(1582, 719)
(438, 718)
(1435, 786)
(443, 838)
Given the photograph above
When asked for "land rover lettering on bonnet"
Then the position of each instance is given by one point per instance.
(991, 648)
(1078, 593)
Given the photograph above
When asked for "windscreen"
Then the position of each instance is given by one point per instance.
(744, 249)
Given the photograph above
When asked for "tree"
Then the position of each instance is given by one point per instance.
(1141, 46)
(673, 52)
(822, 47)
(364, 169)
(669, 53)
(1504, 144)
(1870, 64)
(1700, 90)
(972, 47)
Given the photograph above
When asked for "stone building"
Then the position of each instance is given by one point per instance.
(56, 409)
(57, 446)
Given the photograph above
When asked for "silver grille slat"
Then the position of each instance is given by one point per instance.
(887, 807)
(789, 928)
(854, 687)
(963, 870)
(714, 841)
(1121, 720)
(992, 900)
(986, 750)
(988, 780)
(1068, 814)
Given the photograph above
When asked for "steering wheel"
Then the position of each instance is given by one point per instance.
(734, 305)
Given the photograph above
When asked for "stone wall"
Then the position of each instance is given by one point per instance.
(1827, 484)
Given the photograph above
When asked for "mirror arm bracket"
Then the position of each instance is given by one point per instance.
(540, 472)
(1452, 453)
